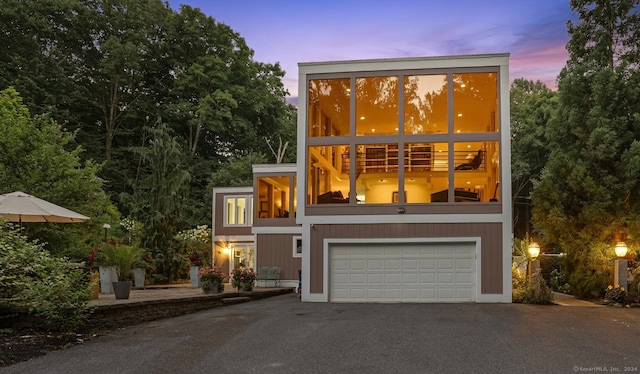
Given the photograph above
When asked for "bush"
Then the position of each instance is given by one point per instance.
(534, 292)
(52, 288)
(615, 295)
(537, 291)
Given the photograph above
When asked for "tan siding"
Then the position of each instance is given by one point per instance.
(277, 250)
(490, 234)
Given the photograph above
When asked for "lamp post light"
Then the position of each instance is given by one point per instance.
(106, 228)
(534, 265)
(620, 265)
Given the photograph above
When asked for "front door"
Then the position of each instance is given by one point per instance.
(243, 256)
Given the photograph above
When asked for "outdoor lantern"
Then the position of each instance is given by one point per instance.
(106, 228)
(534, 250)
(621, 249)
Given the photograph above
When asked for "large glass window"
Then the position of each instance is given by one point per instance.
(377, 106)
(328, 174)
(425, 104)
(440, 146)
(475, 102)
(477, 171)
(329, 107)
(426, 169)
(237, 210)
(274, 197)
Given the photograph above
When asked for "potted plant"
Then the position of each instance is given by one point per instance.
(123, 258)
(100, 257)
(211, 279)
(195, 261)
(140, 268)
(243, 278)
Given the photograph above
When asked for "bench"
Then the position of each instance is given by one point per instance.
(266, 273)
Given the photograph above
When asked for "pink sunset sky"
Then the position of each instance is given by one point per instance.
(533, 31)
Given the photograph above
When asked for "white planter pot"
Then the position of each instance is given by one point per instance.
(138, 277)
(193, 275)
(108, 275)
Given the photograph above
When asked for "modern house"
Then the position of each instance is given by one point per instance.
(401, 190)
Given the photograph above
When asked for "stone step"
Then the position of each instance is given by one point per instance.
(235, 300)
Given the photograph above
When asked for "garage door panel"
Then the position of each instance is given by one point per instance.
(415, 272)
(409, 278)
(375, 264)
(392, 278)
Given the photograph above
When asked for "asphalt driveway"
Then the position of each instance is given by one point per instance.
(283, 335)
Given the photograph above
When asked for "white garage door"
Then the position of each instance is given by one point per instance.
(406, 272)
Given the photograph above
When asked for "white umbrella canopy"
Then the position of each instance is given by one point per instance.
(21, 207)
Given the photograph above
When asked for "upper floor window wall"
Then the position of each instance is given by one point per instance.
(427, 137)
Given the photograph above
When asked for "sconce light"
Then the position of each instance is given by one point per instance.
(621, 249)
(534, 250)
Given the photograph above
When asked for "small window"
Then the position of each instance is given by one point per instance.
(297, 246)
(237, 211)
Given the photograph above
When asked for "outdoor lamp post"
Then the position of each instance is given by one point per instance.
(620, 265)
(534, 265)
(106, 228)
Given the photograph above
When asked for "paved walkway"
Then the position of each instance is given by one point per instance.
(184, 290)
(568, 300)
(162, 292)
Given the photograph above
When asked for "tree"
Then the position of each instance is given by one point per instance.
(158, 196)
(38, 157)
(589, 193)
(532, 105)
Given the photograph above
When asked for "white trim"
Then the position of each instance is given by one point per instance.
(239, 190)
(413, 63)
(276, 230)
(273, 168)
(505, 190)
(234, 238)
(406, 218)
(295, 246)
(324, 296)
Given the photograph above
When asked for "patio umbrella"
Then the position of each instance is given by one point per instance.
(21, 207)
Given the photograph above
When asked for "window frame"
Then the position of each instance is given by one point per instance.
(295, 246)
(248, 219)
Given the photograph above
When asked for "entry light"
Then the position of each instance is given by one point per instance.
(621, 249)
(534, 250)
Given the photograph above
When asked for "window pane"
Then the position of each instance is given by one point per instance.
(477, 171)
(426, 171)
(231, 211)
(377, 173)
(241, 210)
(377, 106)
(273, 197)
(328, 107)
(425, 104)
(328, 174)
(475, 102)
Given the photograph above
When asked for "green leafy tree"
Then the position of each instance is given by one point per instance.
(158, 197)
(38, 157)
(589, 193)
(532, 105)
(106, 69)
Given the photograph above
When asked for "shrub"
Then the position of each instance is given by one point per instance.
(52, 288)
(615, 295)
(535, 291)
